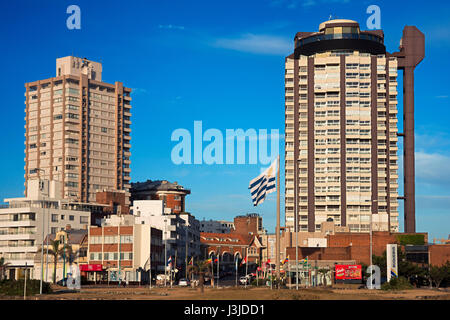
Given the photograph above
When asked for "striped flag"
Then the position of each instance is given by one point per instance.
(169, 261)
(263, 184)
(244, 261)
(191, 262)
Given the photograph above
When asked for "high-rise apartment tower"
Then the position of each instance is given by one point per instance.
(78, 130)
(341, 128)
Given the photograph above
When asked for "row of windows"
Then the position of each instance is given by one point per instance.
(97, 256)
(111, 239)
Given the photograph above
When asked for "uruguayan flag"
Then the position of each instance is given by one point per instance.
(263, 184)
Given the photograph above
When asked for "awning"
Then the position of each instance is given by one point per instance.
(91, 267)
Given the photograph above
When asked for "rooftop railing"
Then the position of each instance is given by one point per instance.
(335, 36)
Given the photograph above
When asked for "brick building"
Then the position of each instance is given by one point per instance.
(349, 246)
(125, 257)
(244, 240)
(439, 254)
(231, 247)
(250, 224)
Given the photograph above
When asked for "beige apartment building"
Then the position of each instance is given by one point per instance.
(78, 130)
(341, 130)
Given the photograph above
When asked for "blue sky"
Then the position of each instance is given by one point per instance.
(221, 63)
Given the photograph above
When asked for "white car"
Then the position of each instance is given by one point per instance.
(183, 282)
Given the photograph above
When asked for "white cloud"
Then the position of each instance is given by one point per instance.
(259, 44)
(433, 168)
(139, 91)
(293, 4)
(170, 26)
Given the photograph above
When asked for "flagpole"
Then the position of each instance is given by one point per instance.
(218, 268)
(246, 266)
(277, 253)
(212, 271)
(236, 260)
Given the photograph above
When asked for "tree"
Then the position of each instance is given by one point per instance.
(3, 267)
(202, 268)
(440, 273)
(324, 273)
(406, 268)
(56, 251)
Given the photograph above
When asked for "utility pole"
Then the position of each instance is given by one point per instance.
(64, 260)
(43, 227)
(277, 250)
(25, 284)
(165, 252)
(370, 243)
(120, 244)
(150, 259)
(186, 251)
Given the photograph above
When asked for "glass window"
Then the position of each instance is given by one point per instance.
(84, 220)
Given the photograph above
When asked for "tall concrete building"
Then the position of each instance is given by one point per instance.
(78, 130)
(341, 128)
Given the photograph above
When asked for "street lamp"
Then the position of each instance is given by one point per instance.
(43, 226)
(296, 221)
(370, 241)
(165, 252)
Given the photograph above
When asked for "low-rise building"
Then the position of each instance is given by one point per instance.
(120, 249)
(72, 251)
(25, 222)
(216, 226)
(181, 231)
(231, 247)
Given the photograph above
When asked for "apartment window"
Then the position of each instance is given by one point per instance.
(53, 230)
(84, 220)
(126, 239)
(71, 218)
(62, 217)
(54, 218)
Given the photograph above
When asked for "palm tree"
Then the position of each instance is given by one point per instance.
(324, 273)
(201, 268)
(56, 252)
(3, 267)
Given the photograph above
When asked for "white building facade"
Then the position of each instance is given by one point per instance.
(25, 222)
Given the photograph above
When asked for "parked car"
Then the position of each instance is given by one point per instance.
(183, 282)
(161, 278)
(62, 282)
(244, 280)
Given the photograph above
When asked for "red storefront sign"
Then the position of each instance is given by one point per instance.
(91, 267)
(348, 271)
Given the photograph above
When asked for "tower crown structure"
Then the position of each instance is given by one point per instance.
(339, 34)
(341, 128)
